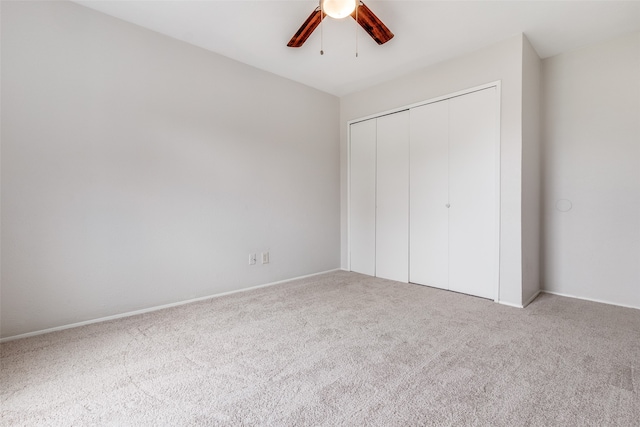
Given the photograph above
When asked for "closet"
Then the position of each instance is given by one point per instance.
(362, 197)
(453, 187)
(379, 196)
(424, 194)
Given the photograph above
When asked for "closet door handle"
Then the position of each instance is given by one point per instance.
(448, 205)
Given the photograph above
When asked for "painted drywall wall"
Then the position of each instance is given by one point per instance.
(138, 170)
(502, 61)
(531, 171)
(591, 158)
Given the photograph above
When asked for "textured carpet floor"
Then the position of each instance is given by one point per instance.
(340, 349)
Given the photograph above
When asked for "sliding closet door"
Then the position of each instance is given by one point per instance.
(392, 213)
(473, 185)
(429, 166)
(362, 198)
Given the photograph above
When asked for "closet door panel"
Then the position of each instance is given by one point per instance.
(473, 193)
(392, 214)
(428, 189)
(362, 197)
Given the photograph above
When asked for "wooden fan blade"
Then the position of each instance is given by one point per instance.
(372, 24)
(306, 29)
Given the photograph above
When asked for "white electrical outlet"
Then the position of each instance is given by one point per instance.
(252, 259)
(265, 257)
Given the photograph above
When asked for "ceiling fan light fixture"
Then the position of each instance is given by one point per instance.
(338, 9)
(363, 16)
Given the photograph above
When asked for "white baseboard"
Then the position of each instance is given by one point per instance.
(155, 308)
(589, 299)
(510, 304)
(530, 300)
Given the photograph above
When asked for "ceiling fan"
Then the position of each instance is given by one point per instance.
(340, 9)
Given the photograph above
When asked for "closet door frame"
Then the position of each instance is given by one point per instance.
(497, 85)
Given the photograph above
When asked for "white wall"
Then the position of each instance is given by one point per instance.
(591, 133)
(138, 170)
(502, 61)
(531, 171)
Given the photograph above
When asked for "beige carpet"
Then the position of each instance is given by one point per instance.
(339, 349)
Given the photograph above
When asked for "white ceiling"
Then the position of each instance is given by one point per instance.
(426, 32)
